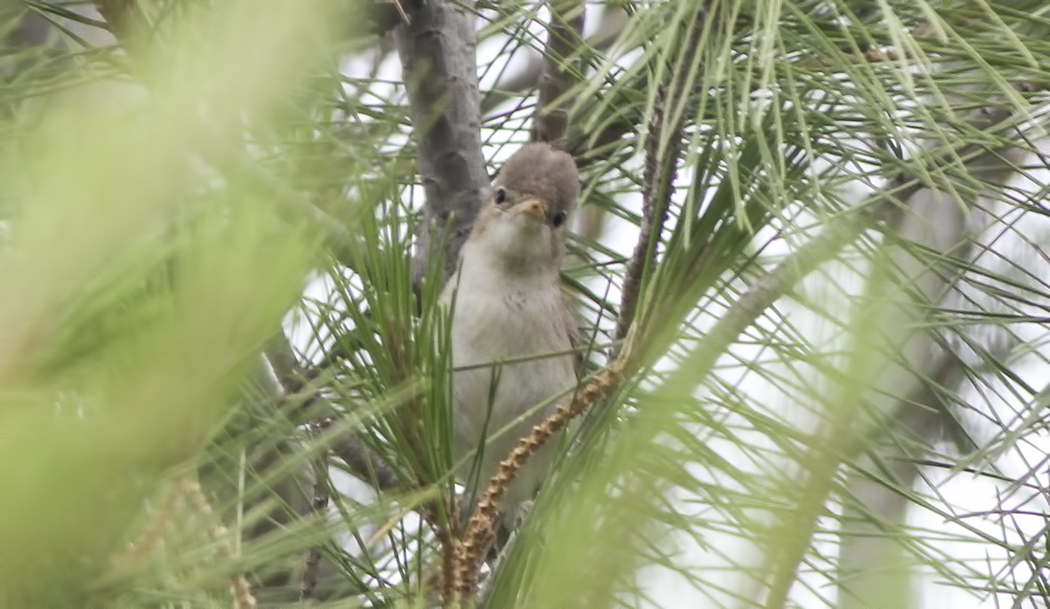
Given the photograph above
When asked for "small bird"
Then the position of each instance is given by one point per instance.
(508, 305)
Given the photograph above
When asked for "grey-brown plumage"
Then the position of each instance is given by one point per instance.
(545, 173)
(509, 306)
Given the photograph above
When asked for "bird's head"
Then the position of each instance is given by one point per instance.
(523, 219)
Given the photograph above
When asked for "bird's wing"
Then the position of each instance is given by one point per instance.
(568, 321)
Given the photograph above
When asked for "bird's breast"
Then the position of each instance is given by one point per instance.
(517, 301)
(490, 325)
(512, 338)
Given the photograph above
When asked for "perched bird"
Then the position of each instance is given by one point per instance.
(508, 305)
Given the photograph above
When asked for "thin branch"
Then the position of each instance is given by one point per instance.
(318, 505)
(518, 83)
(437, 50)
(125, 20)
(561, 70)
(347, 446)
(361, 460)
(383, 15)
(661, 169)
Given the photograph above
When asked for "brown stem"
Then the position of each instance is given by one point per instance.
(661, 162)
(519, 83)
(125, 20)
(318, 505)
(347, 446)
(561, 70)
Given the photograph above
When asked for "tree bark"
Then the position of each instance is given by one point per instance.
(437, 49)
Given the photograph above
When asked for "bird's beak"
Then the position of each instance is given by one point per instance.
(533, 208)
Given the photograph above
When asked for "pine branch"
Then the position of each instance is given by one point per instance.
(663, 145)
(347, 446)
(561, 70)
(318, 505)
(437, 49)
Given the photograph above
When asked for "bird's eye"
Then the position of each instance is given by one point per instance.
(558, 219)
(501, 196)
